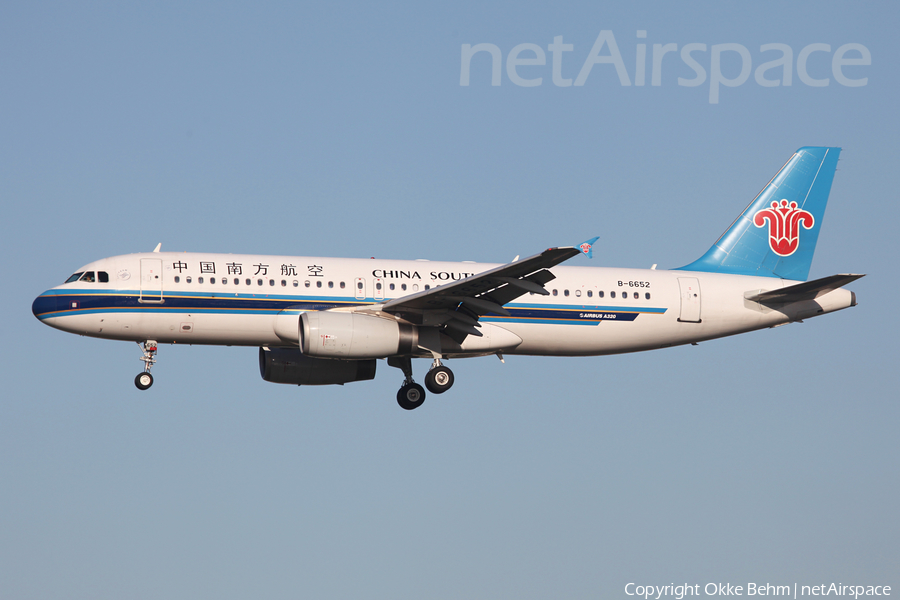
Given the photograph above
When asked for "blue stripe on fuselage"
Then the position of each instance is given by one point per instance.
(59, 303)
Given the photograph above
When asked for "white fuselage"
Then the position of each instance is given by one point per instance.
(253, 300)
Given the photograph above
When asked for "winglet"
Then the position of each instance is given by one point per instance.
(588, 247)
(158, 246)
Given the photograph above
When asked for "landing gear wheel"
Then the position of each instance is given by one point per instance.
(143, 381)
(411, 396)
(438, 380)
(148, 351)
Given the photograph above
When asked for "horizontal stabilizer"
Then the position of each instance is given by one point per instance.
(809, 290)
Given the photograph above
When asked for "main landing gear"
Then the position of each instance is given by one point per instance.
(144, 379)
(439, 378)
(411, 395)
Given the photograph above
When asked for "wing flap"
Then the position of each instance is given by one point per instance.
(480, 306)
(529, 275)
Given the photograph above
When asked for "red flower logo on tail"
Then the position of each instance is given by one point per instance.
(784, 225)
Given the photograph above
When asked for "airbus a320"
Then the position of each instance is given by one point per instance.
(322, 321)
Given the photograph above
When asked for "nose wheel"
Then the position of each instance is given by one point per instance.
(144, 379)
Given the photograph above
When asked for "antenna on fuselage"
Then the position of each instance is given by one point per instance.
(158, 246)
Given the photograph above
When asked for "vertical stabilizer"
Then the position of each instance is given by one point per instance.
(776, 235)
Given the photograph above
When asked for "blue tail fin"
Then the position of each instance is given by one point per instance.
(776, 235)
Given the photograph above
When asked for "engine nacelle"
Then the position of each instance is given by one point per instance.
(289, 365)
(352, 335)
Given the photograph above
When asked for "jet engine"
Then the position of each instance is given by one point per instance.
(289, 365)
(329, 334)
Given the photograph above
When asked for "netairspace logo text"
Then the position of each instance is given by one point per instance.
(526, 64)
(678, 592)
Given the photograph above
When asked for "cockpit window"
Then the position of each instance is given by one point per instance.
(102, 276)
(88, 277)
(75, 277)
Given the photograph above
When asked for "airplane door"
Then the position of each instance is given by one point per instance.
(151, 280)
(360, 285)
(690, 299)
(379, 289)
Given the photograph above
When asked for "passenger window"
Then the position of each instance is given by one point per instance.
(566, 293)
(612, 294)
(590, 293)
(403, 286)
(415, 287)
(187, 279)
(199, 280)
(391, 286)
(306, 283)
(330, 284)
(247, 281)
(578, 293)
(647, 295)
(238, 281)
(636, 295)
(359, 285)
(259, 282)
(283, 283)
(378, 286)
(102, 276)
(555, 292)
(177, 279)
(271, 282)
(75, 277)
(318, 284)
(296, 283)
(212, 280)
(600, 294)
(343, 285)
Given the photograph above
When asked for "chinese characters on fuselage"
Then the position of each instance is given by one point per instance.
(290, 270)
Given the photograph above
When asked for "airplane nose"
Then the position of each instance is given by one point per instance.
(43, 304)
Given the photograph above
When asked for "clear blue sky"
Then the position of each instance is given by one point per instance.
(342, 129)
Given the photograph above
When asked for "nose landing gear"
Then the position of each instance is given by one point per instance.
(144, 379)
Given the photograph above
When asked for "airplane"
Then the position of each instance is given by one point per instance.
(324, 321)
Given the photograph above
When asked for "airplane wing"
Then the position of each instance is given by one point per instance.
(458, 305)
(809, 290)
